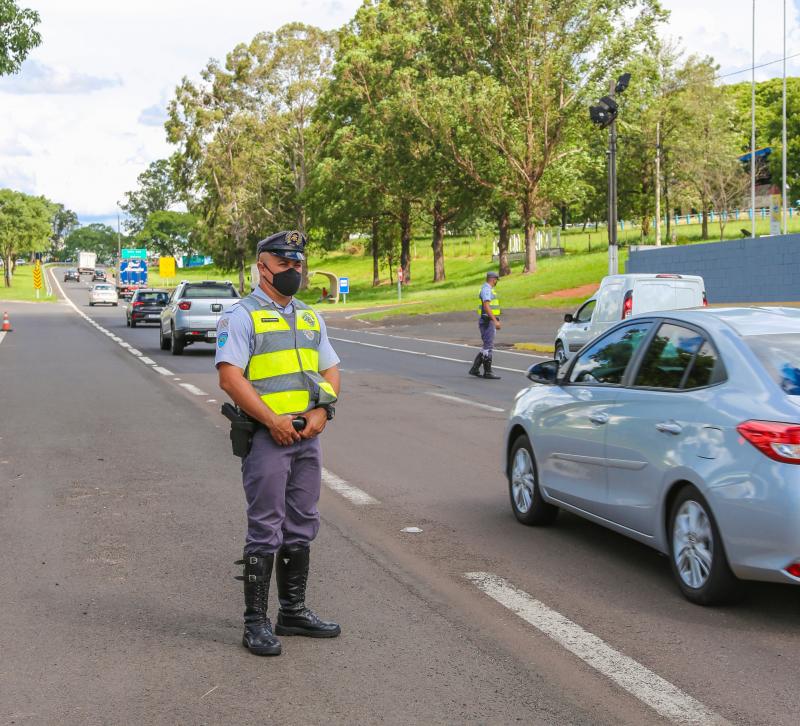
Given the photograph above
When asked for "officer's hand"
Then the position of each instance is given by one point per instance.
(316, 419)
(282, 431)
(497, 325)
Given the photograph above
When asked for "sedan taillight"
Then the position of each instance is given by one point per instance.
(137, 304)
(627, 305)
(779, 441)
(184, 305)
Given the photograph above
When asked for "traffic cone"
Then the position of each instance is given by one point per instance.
(6, 324)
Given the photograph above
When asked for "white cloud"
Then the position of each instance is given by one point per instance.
(105, 71)
(37, 78)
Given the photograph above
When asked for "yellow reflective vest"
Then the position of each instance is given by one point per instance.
(494, 305)
(284, 367)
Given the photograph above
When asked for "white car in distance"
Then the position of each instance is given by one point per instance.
(621, 296)
(103, 294)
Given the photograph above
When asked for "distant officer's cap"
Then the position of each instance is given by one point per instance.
(284, 244)
(492, 273)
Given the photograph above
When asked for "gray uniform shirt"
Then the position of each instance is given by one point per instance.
(236, 340)
(486, 294)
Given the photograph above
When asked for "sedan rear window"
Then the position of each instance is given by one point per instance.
(198, 292)
(780, 355)
(152, 297)
(103, 287)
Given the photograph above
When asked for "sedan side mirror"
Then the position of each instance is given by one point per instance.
(568, 318)
(544, 373)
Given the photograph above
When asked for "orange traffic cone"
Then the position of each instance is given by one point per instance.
(6, 324)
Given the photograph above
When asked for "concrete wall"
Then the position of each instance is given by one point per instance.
(764, 269)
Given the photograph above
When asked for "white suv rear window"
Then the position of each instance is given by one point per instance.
(780, 355)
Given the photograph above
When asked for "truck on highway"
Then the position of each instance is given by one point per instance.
(87, 261)
(132, 277)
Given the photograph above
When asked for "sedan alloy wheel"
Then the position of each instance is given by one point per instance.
(523, 486)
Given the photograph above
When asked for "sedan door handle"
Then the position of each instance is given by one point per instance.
(599, 418)
(669, 427)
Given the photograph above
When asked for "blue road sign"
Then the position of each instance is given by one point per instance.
(344, 285)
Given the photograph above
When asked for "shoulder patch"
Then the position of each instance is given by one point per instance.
(222, 339)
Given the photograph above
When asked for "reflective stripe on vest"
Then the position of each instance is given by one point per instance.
(284, 367)
(494, 306)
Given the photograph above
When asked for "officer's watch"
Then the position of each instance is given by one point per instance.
(330, 411)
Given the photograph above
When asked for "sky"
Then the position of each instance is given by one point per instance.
(85, 115)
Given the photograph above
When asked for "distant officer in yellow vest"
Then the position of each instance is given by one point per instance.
(488, 323)
(275, 361)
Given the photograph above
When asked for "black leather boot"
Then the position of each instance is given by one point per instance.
(476, 365)
(294, 618)
(487, 369)
(258, 637)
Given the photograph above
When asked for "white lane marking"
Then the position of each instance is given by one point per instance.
(211, 400)
(122, 342)
(2, 336)
(438, 342)
(147, 361)
(357, 496)
(133, 351)
(193, 389)
(651, 689)
(163, 371)
(417, 352)
(456, 399)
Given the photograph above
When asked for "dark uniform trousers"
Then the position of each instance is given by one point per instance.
(282, 487)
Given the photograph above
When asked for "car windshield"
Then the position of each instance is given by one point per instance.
(196, 292)
(780, 355)
(152, 297)
(103, 287)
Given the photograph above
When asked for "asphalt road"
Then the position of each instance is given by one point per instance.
(121, 513)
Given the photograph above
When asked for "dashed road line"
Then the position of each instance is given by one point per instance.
(353, 494)
(438, 342)
(147, 361)
(466, 401)
(651, 689)
(193, 389)
(420, 353)
(163, 371)
(2, 336)
(133, 351)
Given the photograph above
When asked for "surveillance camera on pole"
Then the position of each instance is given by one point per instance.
(604, 115)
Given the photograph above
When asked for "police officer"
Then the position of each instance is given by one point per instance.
(489, 322)
(275, 361)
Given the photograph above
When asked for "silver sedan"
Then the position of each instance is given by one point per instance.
(680, 430)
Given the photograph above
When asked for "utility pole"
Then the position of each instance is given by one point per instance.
(613, 250)
(119, 252)
(753, 131)
(784, 191)
(658, 183)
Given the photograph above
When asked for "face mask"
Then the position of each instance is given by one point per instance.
(286, 282)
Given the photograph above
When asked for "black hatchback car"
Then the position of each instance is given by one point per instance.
(146, 306)
(72, 275)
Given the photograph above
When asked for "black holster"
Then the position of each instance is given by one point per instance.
(242, 429)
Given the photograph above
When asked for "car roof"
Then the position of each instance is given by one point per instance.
(150, 289)
(743, 320)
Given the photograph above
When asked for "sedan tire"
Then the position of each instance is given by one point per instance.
(559, 354)
(697, 556)
(133, 323)
(523, 487)
(163, 341)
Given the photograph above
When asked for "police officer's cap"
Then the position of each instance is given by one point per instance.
(492, 273)
(289, 244)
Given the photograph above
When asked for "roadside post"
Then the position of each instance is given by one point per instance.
(37, 277)
(344, 287)
(399, 284)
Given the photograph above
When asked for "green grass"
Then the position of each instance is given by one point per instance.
(22, 286)
(466, 261)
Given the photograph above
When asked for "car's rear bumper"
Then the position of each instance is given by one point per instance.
(197, 334)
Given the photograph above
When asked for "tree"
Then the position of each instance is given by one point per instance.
(521, 74)
(168, 233)
(24, 227)
(18, 35)
(63, 222)
(156, 192)
(98, 238)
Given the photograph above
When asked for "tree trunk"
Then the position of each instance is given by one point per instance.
(704, 235)
(376, 277)
(405, 241)
(438, 242)
(530, 240)
(241, 273)
(7, 271)
(666, 196)
(563, 216)
(504, 233)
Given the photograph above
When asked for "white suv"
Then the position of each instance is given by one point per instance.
(621, 296)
